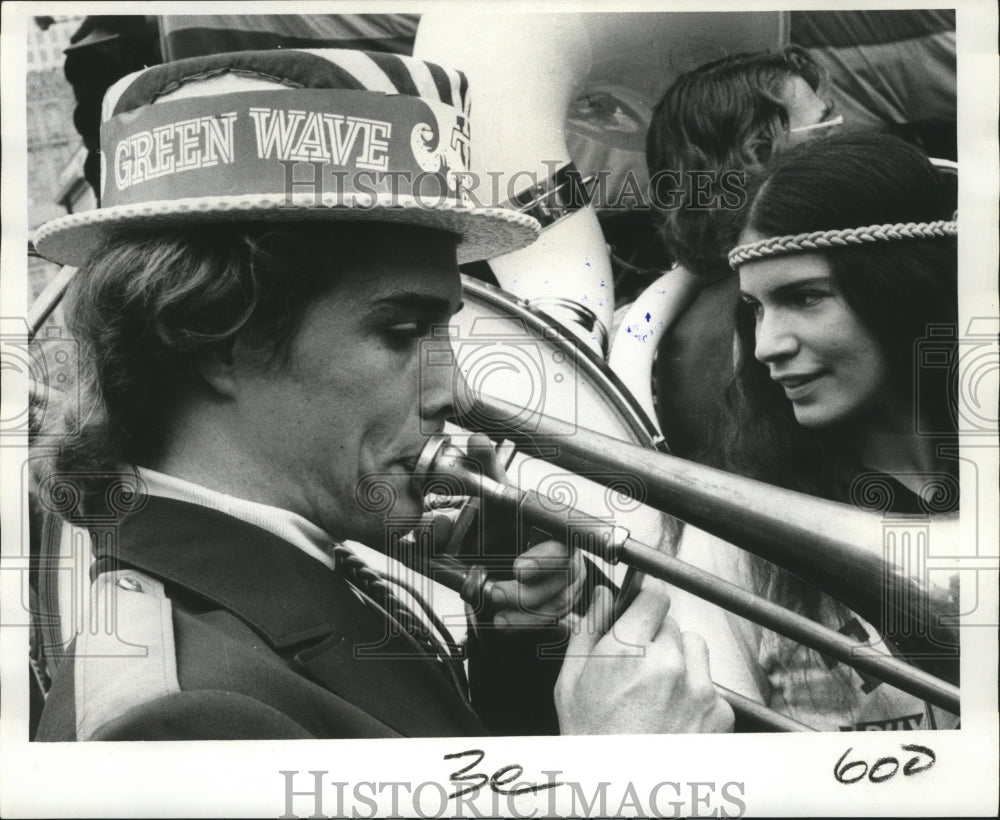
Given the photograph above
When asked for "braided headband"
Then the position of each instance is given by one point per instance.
(817, 240)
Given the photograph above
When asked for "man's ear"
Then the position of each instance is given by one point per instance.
(217, 366)
(758, 153)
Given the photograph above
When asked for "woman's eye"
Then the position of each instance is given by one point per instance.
(753, 306)
(808, 298)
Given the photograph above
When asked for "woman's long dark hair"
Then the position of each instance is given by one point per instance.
(901, 291)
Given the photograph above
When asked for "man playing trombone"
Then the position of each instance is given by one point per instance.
(249, 355)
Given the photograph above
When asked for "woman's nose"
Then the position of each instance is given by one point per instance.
(775, 338)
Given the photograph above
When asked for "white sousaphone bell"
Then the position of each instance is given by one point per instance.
(525, 72)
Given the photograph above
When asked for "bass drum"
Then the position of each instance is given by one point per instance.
(505, 349)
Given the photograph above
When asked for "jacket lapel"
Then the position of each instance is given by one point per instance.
(324, 627)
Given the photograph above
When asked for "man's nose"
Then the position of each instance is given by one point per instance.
(775, 338)
(439, 379)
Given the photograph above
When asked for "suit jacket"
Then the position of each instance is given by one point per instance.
(211, 628)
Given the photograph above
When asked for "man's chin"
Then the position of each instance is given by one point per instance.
(383, 531)
(385, 505)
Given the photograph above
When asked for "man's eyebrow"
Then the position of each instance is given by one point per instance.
(791, 287)
(420, 301)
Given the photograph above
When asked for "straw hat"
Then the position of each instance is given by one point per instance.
(288, 135)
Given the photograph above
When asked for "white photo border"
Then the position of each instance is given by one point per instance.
(774, 775)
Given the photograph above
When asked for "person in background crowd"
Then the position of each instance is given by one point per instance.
(732, 115)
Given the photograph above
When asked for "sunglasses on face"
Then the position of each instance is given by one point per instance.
(833, 122)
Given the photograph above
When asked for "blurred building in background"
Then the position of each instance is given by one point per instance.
(47, 41)
(53, 140)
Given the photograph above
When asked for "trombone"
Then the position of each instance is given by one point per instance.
(773, 523)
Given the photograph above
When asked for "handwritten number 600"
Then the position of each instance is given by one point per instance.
(885, 767)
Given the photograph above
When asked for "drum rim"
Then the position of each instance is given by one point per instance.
(621, 398)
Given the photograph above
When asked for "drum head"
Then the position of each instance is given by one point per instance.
(504, 349)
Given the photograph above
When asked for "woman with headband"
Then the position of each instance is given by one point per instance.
(847, 268)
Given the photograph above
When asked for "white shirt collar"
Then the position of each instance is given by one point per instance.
(287, 525)
(294, 529)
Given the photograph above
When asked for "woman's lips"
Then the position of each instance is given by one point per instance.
(799, 385)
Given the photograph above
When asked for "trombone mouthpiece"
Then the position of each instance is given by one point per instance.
(424, 468)
(443, 465)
